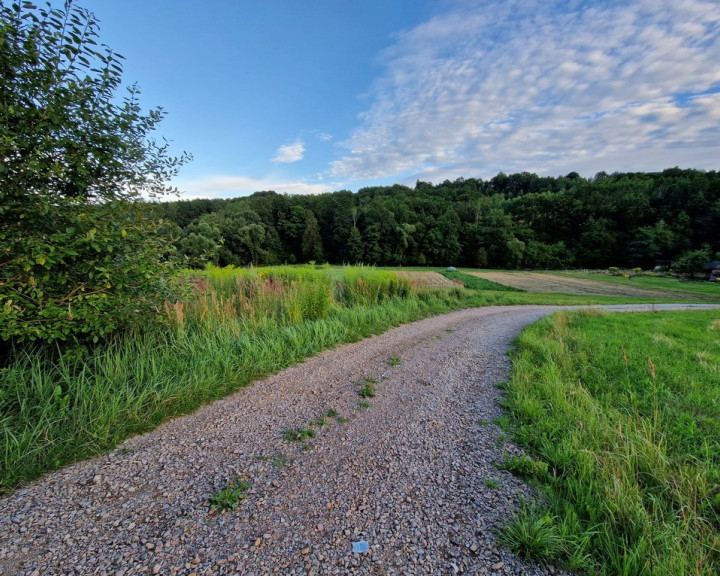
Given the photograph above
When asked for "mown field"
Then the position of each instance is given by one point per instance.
(603, 284)
(620, 414)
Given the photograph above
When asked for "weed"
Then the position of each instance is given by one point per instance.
(524, 466)
(492, 483)
(363, 405)
(298, 434)
(280, 461)
(332, 413)
(393, 361)
(341, 419)
(368, 388)
(230, 496)
(531, 533)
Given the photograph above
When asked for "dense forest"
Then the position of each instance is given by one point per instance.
(509, 221)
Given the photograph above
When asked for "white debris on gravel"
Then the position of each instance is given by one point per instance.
(406, 475)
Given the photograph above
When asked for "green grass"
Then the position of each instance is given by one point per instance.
(497, 298)
(233, 327)
(624, 412)
(492, 483)
(367, 390)
(298, 434)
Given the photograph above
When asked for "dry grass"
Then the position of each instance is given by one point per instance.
(427, 279)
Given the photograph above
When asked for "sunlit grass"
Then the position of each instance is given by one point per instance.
(625, 411)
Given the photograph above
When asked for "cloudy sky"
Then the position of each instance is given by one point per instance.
(321, 95)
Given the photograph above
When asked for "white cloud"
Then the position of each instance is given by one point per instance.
(288, 153)
(533, 84)
(232, 186)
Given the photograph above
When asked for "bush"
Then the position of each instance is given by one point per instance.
(79, 258)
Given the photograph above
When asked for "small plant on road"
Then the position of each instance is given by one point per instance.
(368, 388)
(393, 360)
(492, 483)
(298, 434)
(280, 461)
(230, 497)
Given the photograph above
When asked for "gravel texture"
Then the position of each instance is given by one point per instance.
(406, 474)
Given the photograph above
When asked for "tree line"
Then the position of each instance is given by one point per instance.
(509, 221)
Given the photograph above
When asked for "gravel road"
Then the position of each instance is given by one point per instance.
(406, 474)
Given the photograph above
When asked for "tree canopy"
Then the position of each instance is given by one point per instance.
(510, 221)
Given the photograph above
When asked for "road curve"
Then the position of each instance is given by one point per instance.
(411, 473)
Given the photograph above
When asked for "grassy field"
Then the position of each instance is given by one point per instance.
(620, 414)
(559, 283)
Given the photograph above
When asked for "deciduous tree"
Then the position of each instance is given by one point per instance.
(79, 257)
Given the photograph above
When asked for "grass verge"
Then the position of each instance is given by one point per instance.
(624, 411)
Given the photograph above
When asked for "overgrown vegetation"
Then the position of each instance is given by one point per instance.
(622, 413)
(231, 327)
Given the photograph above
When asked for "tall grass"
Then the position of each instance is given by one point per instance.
(232, 327)
(625, 411)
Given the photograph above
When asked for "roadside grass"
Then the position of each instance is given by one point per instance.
(233, 327)
(623, 412)
(651, 282)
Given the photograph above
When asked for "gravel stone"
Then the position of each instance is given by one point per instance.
(407, 474)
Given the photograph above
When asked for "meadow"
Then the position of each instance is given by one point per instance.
(620, 415)
(230, 327)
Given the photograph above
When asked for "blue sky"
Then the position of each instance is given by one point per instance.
(309, 96)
